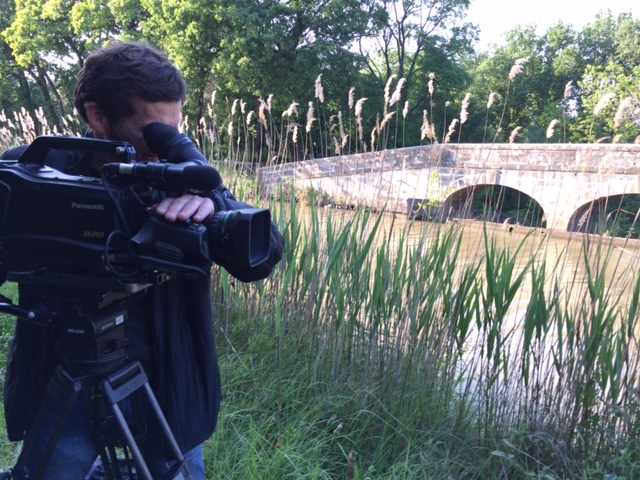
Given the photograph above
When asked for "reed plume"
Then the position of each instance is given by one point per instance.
(603, 103)
(310, 118)
(397, 94)
(625, 112)
(493, 97)
(427, 130)
(358, 113)
(452, 129)
(343, 136)
(387, 89)
(425, 125)
(551, 130)
(385, 120)
(262, 117)
(514, 134)
(568, 89)
(319, 90)
(517, 68)
(291, 111)
(464, 113)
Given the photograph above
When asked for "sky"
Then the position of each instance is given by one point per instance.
(495, 17)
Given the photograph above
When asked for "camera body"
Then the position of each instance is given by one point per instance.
(52, 220)
(103, 228)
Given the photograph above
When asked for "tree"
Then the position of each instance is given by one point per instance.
(411, 39)
(404, 29)
(611, 100)
(519, 76)
(627, 39)
(609, 89)
(284, 52)
(440, 85)
(563, 79)
(190, 33)
(49, 39)
(280, 48)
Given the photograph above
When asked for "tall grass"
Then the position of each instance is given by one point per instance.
(406, 340)
(380, 348)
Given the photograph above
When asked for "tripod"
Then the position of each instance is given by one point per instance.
(95, 367)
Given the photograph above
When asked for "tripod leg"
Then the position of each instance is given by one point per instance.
(122, 384)
(142, 469)
(175, 449)
(74, 388)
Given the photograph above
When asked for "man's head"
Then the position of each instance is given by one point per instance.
(125, 86)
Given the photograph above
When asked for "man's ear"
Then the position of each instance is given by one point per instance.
(97, 120)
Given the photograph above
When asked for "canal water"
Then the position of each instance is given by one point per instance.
(499, 362)
(568, 256)
(571, 259)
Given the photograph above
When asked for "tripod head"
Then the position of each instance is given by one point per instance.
(87, 313)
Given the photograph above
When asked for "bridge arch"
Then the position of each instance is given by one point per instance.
(607, 213)
(494, 203)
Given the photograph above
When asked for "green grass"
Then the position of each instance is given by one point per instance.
(403, 353)
(8, 451)
(372, 353)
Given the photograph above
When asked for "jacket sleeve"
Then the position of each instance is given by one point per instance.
(225, 201)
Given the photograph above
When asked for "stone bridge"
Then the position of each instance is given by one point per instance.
(569, 181)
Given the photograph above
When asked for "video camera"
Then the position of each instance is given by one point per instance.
(79, 227)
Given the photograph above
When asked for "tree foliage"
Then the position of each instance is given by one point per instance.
(412, 60)
(565, 75)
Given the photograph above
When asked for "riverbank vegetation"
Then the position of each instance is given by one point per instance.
(374, 354)
(383, 349)
(380, 348)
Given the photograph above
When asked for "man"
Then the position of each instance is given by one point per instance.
(122, 88)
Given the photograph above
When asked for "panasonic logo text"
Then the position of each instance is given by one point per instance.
(87, 206)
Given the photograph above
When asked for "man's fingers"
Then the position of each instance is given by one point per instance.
(184, 208)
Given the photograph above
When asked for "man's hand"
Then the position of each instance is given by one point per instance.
(184, 208)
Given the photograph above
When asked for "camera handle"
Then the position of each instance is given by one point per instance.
(36, 152)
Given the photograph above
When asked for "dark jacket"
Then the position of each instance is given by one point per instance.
(170, 327)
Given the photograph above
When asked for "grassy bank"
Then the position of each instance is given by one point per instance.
(373, 354)
(368, 356)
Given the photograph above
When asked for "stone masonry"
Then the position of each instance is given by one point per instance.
(565, 179)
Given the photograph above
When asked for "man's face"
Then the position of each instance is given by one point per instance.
(130, 129)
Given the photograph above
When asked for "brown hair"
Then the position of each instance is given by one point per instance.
(122, 71)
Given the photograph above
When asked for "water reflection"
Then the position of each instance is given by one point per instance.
(569, 257)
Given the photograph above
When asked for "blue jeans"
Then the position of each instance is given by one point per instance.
(76, 452)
